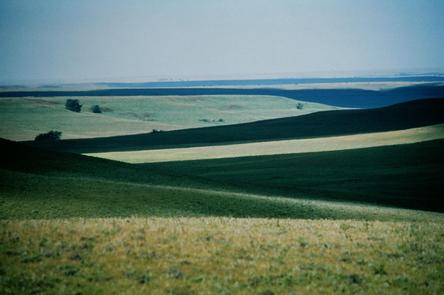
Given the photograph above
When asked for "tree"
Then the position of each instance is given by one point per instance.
(52, 135)
(73, 105)
(300, 106)
(96, 109)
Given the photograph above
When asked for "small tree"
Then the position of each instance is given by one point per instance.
(96, 109)
(52, 135)
(300, 106)
(73, 105)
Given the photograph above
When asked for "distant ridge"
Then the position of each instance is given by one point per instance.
(353, 98)
(328, 123)
(278, 81)
(425, 77)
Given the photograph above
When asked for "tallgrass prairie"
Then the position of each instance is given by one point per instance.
(221, 256)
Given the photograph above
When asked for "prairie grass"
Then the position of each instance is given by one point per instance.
(221, 256)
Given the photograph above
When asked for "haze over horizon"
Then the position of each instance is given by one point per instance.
(81, 41)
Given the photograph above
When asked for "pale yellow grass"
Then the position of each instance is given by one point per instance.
(321, 144)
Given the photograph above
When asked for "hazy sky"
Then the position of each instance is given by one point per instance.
(75, 40)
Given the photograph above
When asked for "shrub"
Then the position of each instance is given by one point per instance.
(96, 109)
(52, 135)
(300, 106)
(73, 105)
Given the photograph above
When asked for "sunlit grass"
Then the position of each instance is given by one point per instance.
(221, 256)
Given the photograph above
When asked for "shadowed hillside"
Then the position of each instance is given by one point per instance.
(406, 176)
(41, 184)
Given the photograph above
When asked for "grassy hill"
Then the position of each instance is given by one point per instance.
(48, 184)
(407, 175)
(24, 118)
(278, 147)
(329, 123)
(351, 98)
(47, 246)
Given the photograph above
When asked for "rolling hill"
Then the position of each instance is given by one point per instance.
(24, 117)
(47, 184)
(71, 223)
(279, 147)
(407, 175)
(328, 123)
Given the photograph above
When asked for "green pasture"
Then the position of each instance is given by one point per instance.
(24, 118)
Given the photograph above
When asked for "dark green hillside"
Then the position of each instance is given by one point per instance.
(26, 196)
(40, 184)
(342, 122)
(409, 176)
(36, 183)
(21, 158)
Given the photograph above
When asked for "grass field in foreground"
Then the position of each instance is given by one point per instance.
(24, 118)
(279, 147)
(220, 256)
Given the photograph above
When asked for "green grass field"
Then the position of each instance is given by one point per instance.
(27, 196)
(318, 247)
(407, 175)
(220, 256)
(337, 222)
(24, 118)
(42, 184)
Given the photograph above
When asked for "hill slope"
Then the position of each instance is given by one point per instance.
(407, 175)
(329, 123)
(44, 184)
(24, 118)
(279, 147)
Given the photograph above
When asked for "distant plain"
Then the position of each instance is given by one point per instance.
(24, 118)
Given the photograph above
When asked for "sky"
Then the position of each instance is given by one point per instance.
(87, 40)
